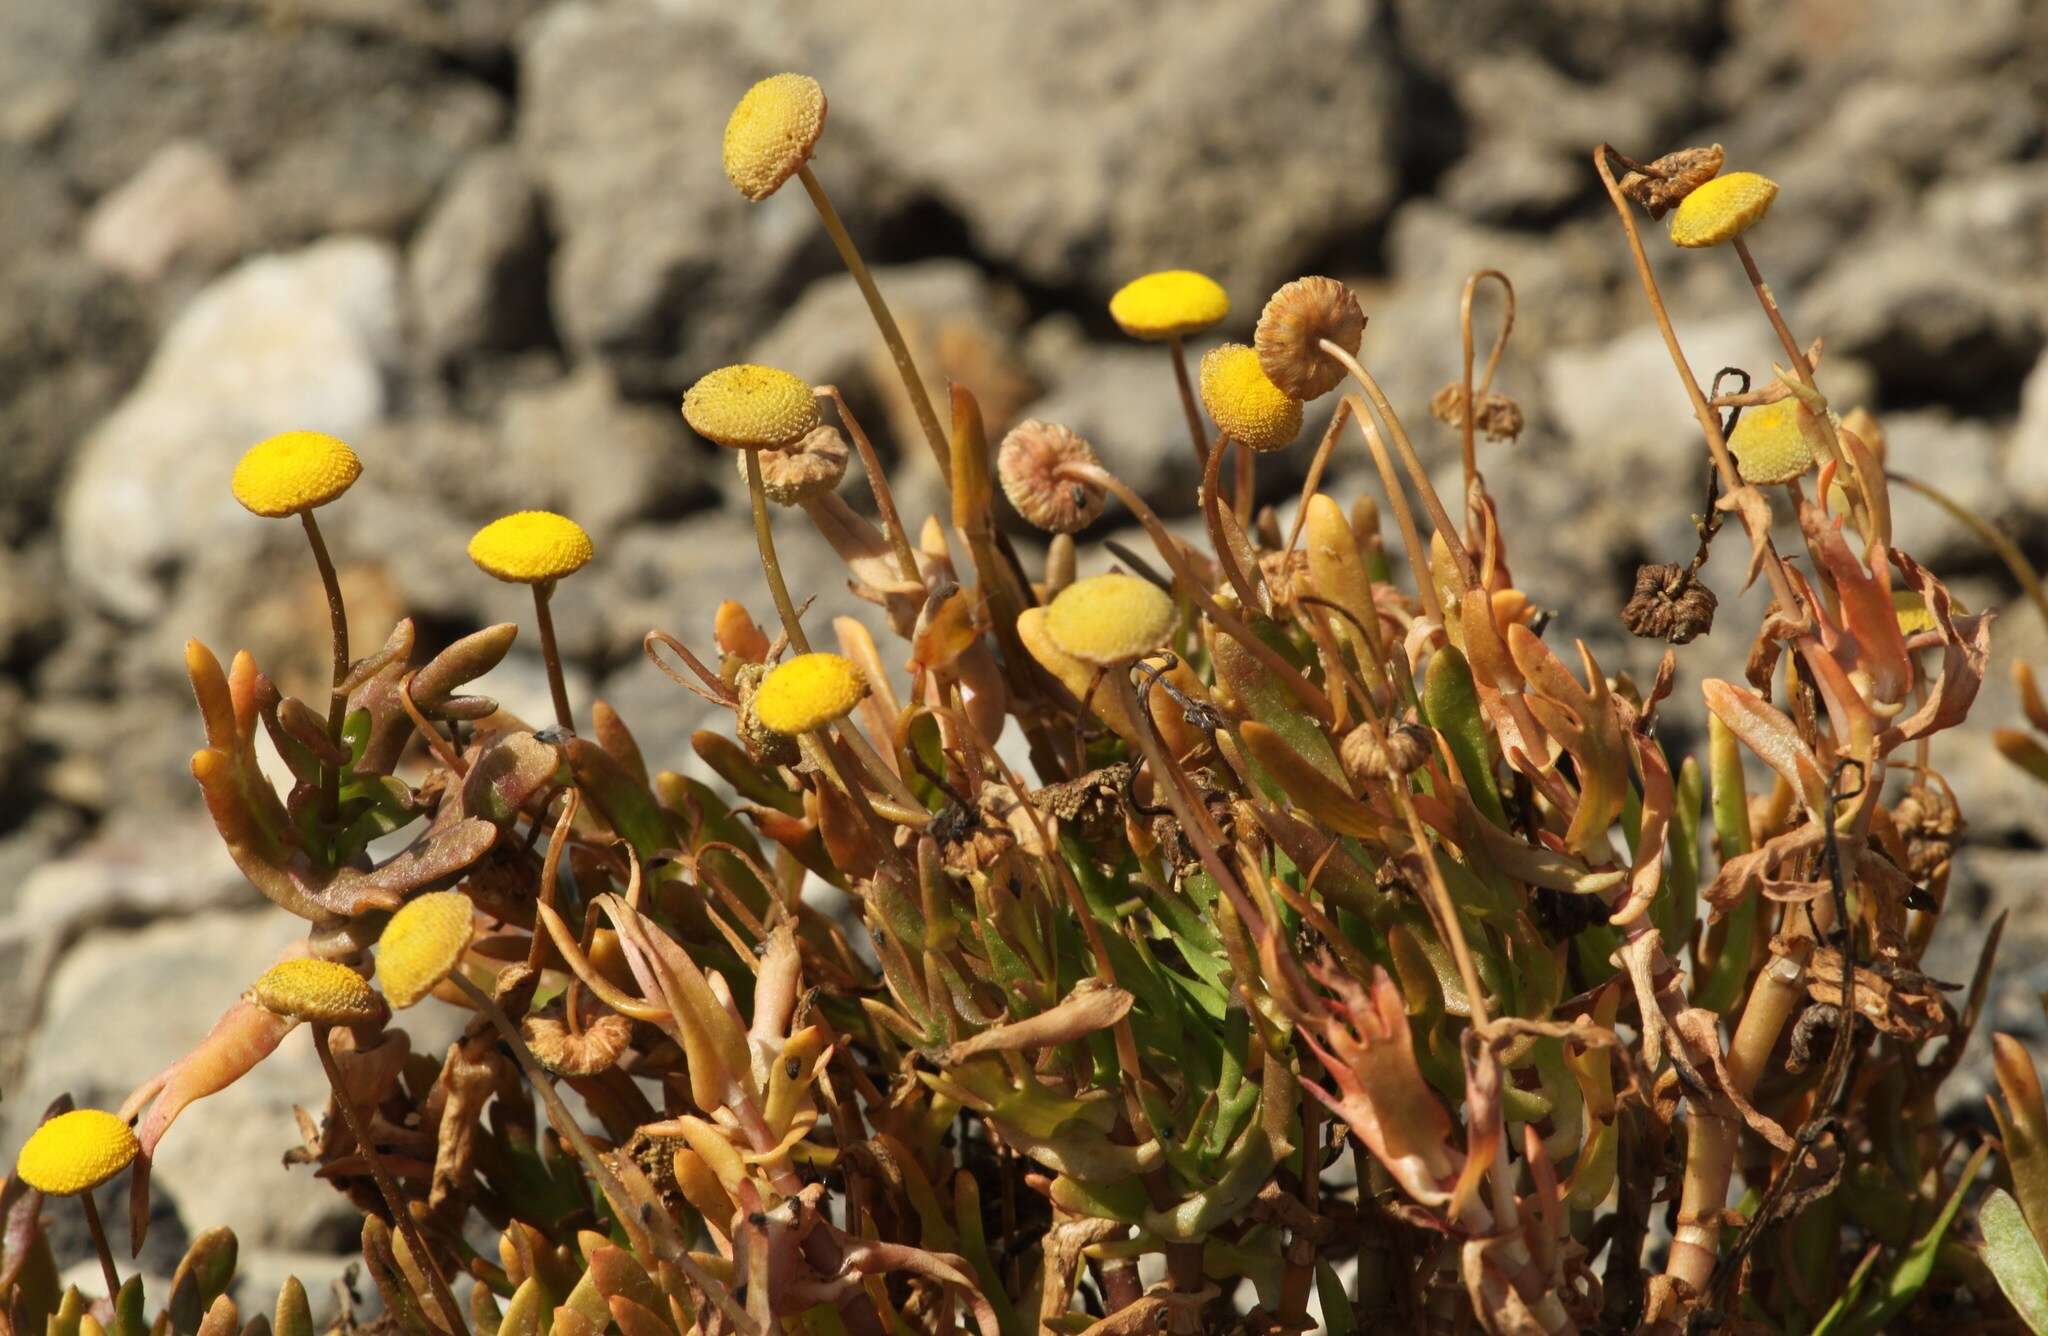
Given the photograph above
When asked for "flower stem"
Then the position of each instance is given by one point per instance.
(99, 1243)
(764, 538)
(550, 655)
(337, 700)
(1187, 400)
(913, 384)
(400, 1216)
(1212, 512)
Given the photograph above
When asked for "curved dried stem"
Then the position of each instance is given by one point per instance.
(1404, 518)
(1212, 515)
(1500, 343)
(878, 480)
(1468, 574)
(1710, 424)
(1317, 463)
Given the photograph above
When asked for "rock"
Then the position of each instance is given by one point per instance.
(261, 1272)
(324, 132)
(476, 273)
(1212, 136)
(621, 112)
(576, 447)
(1934, 322)
(1962, 458)
(182, 207)
(170, 981)
(1585, 38)
(2027, 452)
(135, 870)
(280, 342)
(31, 604)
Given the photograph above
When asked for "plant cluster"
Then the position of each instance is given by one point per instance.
(1349, 947)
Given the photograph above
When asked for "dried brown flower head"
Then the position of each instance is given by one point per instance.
(763, 743)
(1367, 760)
(1669, 604)
(1298, 317)
(1500, 418)
(565, 1052)
(804, 471)
(1659, 186)
(1028, 464)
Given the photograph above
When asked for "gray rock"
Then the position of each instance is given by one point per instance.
(326, 133)
(135, 871)
(1120, 397)
(576, 447)
(476, 272)
(280, 342)
(181, 207)
(1962, 458)
(621, 115)
(220, 1163)
(1931, 318)
(1214, 136)
(2027, 452)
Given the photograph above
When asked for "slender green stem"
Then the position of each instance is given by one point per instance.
(337, 700)
(99, 1242)
(400, 1215)
(1188, 405)
(913, 384)
(551, 656)
(764, 537)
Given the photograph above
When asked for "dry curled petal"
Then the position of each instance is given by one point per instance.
(1028, 465)
(1296, 320)
(567, 1052)
(1669, 604)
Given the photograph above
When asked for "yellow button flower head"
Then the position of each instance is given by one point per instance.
(325, 992)
(1245, 402)
(1108, 620)
(1774, 442)
(293, 472)
(1722, 209)
(771, 133)
(1291, 329)
(1911, 610)
(1170, 304)
(76, 1152)
(531, 547)
(748, 407)
(808, 692)
(422, 944)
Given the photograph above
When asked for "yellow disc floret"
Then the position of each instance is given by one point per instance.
(1722, 209)
(1912, 612)
(750, 407)
(295, 471)
(1245, 402)
(531, 547)
(1110, 619)
(1169, 304)
(422, 945)
(76, 1152)
(771, 133)
(809, 692)
(325, 992)
(1774, 442)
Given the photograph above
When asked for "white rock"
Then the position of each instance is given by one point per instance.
(302, 340)
(182, 205)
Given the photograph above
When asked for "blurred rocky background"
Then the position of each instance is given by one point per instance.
(489, 243)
